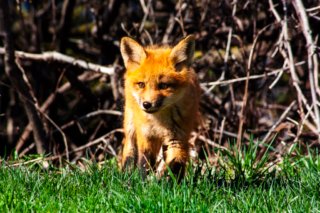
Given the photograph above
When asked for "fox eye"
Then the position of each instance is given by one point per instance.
(141, 85)
(163, 86)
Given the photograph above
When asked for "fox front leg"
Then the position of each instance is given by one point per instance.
(176, 155)
(146, 162)
(148, 150)
(129, 154)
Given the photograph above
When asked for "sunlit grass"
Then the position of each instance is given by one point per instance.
(252, 187)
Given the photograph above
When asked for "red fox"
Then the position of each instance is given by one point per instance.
(161, 104)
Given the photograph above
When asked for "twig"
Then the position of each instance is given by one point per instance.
(179, 19)
(224, 132)
(275, 81)
(313, 65)
(79, 86)
(45, 106)
(278, 18)
(266, 137)
(273, 10)
(288, 56)
(146, 13)
(284, 114)
(59, 57)
(27, 82)
(35, 103)
(254, 45)
(222, 129)
(242, 112)
(115, 81)
(169, 29)
(252, 77)
(143, 6)
(245, 95)
(89, 144)
(313, 9)
(210, 142)
(302, 125)
(26, 150)
(226, 56)
(60, 131)
(92, 114)
(18, 82)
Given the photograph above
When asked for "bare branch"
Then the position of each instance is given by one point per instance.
(78, 149)
(313, 65)
(245, 96)
(59, 57)
(45, 105)
(16, 77)
(252, 77)
(284, 114)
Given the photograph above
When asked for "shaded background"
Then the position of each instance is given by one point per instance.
(79, 110)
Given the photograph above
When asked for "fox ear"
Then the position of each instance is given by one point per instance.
(182, 53)
(131, 51)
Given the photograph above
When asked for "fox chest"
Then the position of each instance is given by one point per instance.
(164, 129)
(153, 130)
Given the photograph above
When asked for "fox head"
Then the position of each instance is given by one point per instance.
(156, 77)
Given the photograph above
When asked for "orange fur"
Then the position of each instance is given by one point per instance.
(161, 104)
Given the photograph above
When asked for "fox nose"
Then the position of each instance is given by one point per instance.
(147, 105)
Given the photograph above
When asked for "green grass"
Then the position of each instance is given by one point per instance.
(295, 188)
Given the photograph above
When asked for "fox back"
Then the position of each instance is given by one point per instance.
(161, 104)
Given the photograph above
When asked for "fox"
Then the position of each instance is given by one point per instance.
(161, 105)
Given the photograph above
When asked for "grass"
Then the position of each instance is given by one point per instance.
(295, 188)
